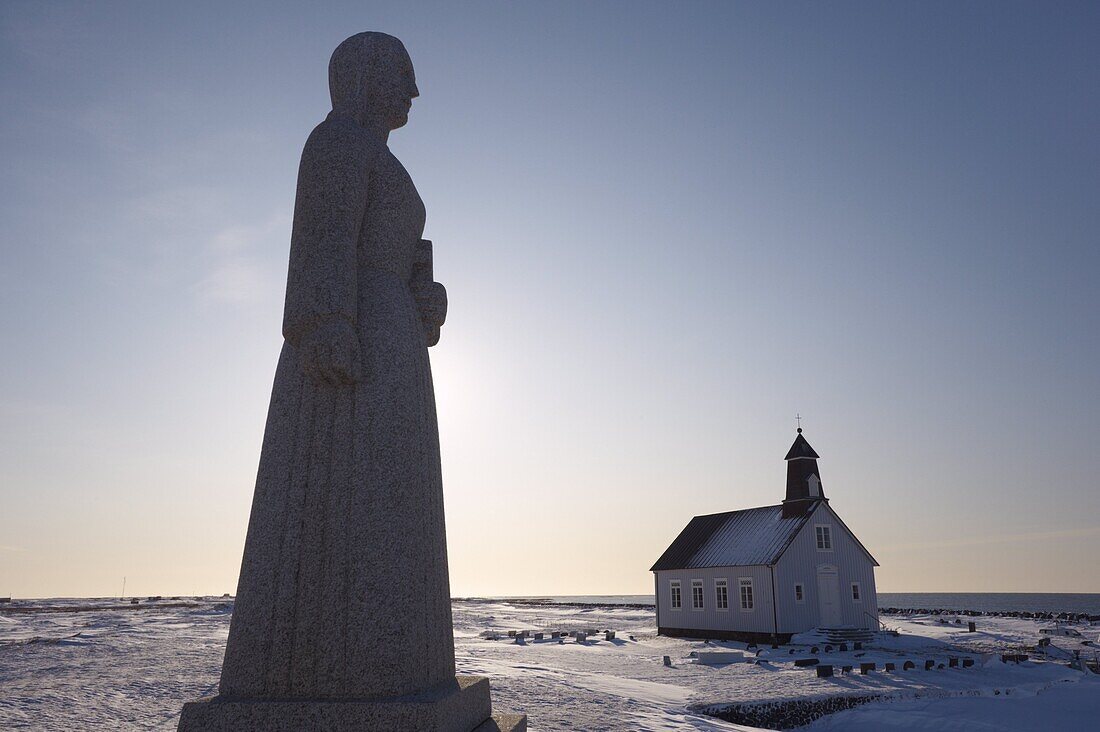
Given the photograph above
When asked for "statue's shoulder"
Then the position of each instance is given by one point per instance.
(338, 140)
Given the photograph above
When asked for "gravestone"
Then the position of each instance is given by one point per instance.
(343, 615)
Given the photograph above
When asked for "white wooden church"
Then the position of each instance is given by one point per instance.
(763, 574)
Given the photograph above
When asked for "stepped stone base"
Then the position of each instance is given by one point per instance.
(463, 706)
(504, 723)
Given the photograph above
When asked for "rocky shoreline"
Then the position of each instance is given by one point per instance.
(1065, 616)
(1072, 617)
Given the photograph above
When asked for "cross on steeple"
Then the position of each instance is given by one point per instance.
(798, 419)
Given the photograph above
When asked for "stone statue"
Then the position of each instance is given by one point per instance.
(343, 612)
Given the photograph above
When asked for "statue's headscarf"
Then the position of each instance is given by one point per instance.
(355, 63)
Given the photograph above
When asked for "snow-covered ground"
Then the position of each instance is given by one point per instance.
(106, 667)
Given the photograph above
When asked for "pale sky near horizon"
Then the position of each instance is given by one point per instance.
(664, 230)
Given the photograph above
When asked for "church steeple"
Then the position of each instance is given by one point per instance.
(803, 479)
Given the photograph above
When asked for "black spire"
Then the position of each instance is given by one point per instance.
(803, 479)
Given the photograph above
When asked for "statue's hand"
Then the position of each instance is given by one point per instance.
(329, 353)
(431, 301)
(430, 296)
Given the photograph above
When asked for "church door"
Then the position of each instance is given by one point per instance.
(828, 595)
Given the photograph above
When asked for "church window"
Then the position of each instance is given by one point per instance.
(824, 538)
(674, 594)
(745, 583)
(697, 594)
(721, 595)
(799, 593)
(855, 592)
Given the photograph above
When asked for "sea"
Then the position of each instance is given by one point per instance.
(1035, 602)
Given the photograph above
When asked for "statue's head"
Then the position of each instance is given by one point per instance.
(370, 75)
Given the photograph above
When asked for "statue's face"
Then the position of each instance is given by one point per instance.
(395, 87)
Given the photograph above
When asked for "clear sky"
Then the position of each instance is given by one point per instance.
(664, 230)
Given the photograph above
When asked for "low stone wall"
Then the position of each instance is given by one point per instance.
(786, 714)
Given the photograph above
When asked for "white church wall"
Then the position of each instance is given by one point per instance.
(760, 619)
(799, 565)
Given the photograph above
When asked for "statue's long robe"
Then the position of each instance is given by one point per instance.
(343, 589)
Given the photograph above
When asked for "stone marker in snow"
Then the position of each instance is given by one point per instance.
(711, 658)
(343, 611)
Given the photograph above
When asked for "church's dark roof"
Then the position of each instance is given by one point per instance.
(755, 536)
(801, 449)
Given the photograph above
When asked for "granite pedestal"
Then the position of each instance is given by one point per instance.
(462, 706)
